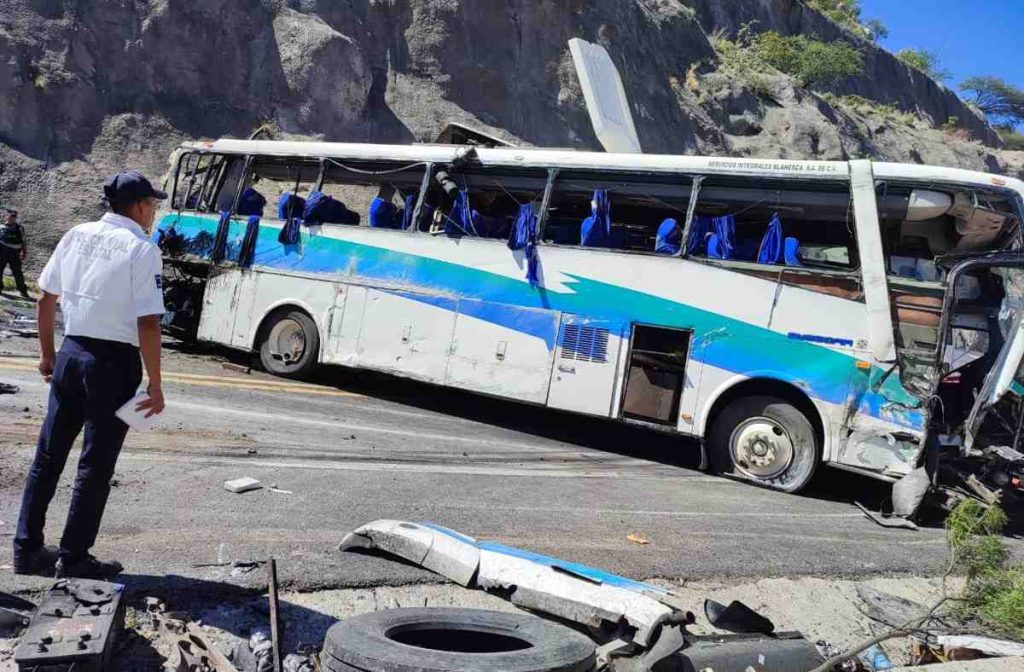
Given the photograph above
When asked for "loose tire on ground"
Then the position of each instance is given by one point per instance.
(471, 640)
(290, 344)
(766, 440)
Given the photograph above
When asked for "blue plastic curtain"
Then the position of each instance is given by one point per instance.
(408, 210)
(460, 219)
(724, 228)
(523, 236)
(596, 230)
(669, 237)
(770, 251)
(289, 205)
(699, 230)
(247, 253)
(791, 252)
(290, 232)
(220, 239)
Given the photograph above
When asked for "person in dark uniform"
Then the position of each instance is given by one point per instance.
(13, 250)
(107, 276)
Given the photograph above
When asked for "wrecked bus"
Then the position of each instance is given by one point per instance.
(861, 315)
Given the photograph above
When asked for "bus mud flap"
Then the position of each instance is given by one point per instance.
(605, 602)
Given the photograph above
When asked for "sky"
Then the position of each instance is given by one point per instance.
(977, 37)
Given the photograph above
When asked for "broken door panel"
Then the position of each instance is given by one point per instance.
(503, 350)
(347, 323)
(1007, 375)
(217, 320)
(584, 374)
(245, 321)
(407, 333)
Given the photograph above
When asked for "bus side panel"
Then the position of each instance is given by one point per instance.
(586, 365)
(266, 292)
(487, 356)
(217, 319)
(407, 333)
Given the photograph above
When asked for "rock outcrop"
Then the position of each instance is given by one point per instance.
(90, 87)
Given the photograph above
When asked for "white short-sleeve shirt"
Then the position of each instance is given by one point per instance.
(107, 275)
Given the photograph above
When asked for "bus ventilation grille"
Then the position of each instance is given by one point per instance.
(584, 344)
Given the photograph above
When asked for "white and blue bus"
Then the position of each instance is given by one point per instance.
(788, 313)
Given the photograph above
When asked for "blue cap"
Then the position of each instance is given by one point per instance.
(130, 187)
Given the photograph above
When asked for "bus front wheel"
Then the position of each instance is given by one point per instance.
(290, 344)
(766, 440)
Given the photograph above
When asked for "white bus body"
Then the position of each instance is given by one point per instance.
(829, 355)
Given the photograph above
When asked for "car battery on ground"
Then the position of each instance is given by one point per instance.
(75, 627)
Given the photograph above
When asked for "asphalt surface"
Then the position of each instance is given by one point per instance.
(354, 447)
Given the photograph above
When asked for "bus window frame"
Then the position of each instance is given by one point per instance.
(694, 192)
(854, 270)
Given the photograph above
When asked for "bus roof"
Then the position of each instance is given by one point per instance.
(567, 158)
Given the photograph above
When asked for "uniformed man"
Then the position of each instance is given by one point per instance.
(13, 250)
(107, 276)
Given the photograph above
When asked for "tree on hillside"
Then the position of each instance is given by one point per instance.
(1002, 102)
(924, 60)
(877, 30)
(847, 13)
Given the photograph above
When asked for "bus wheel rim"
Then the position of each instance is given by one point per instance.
(287, 341)
(761, 448)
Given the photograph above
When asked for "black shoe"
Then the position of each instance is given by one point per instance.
(40, 562)
(87, 568)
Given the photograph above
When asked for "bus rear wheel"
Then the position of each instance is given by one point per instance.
(290, 344)
(765, 440)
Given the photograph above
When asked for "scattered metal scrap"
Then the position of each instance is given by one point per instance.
(638, 626)
(75, 627)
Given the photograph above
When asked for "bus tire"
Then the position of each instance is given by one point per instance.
(765, 440)
(290, 344)
(439, 639)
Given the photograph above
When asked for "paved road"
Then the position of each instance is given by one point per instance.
(355, 447)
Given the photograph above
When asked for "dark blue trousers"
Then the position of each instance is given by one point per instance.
(92, 378)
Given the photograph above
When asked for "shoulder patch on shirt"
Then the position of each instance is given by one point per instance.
(159, 281)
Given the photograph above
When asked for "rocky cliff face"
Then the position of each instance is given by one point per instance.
(92, 86)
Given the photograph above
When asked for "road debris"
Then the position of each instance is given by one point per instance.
(76, 625)
(8, 388)
(273, 488)
(887, 521)
(240, 485)
(637, 539)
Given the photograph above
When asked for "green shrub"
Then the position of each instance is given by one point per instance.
(811, 62)
(1013, 138)
(994, 589)
(924, 60)
(865, 107)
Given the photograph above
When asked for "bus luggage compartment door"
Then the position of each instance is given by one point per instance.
(503, 350)
(586, 362)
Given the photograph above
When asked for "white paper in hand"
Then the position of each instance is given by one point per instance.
(137, 420)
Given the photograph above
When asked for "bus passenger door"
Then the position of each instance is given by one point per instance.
(503, 350)
(585, 365)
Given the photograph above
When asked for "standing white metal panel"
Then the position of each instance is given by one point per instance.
(343, 341)
(245, 319)
(583, 378)
(605, 97)
(217, 320)
(407, 333)
(508, 361)
(872, 261)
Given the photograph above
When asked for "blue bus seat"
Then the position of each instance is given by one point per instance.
(384, 214)
(791, 252)
(770, 251)
(290, 205)
(322, 209)
(251, 202)
(669, 238)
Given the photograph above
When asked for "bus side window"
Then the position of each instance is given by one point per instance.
(379, 195)
(619, 211)
(277, 188)
(481, 202)
(799, 225)
(206, 181)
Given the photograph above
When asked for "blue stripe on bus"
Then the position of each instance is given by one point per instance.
(720, 341)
